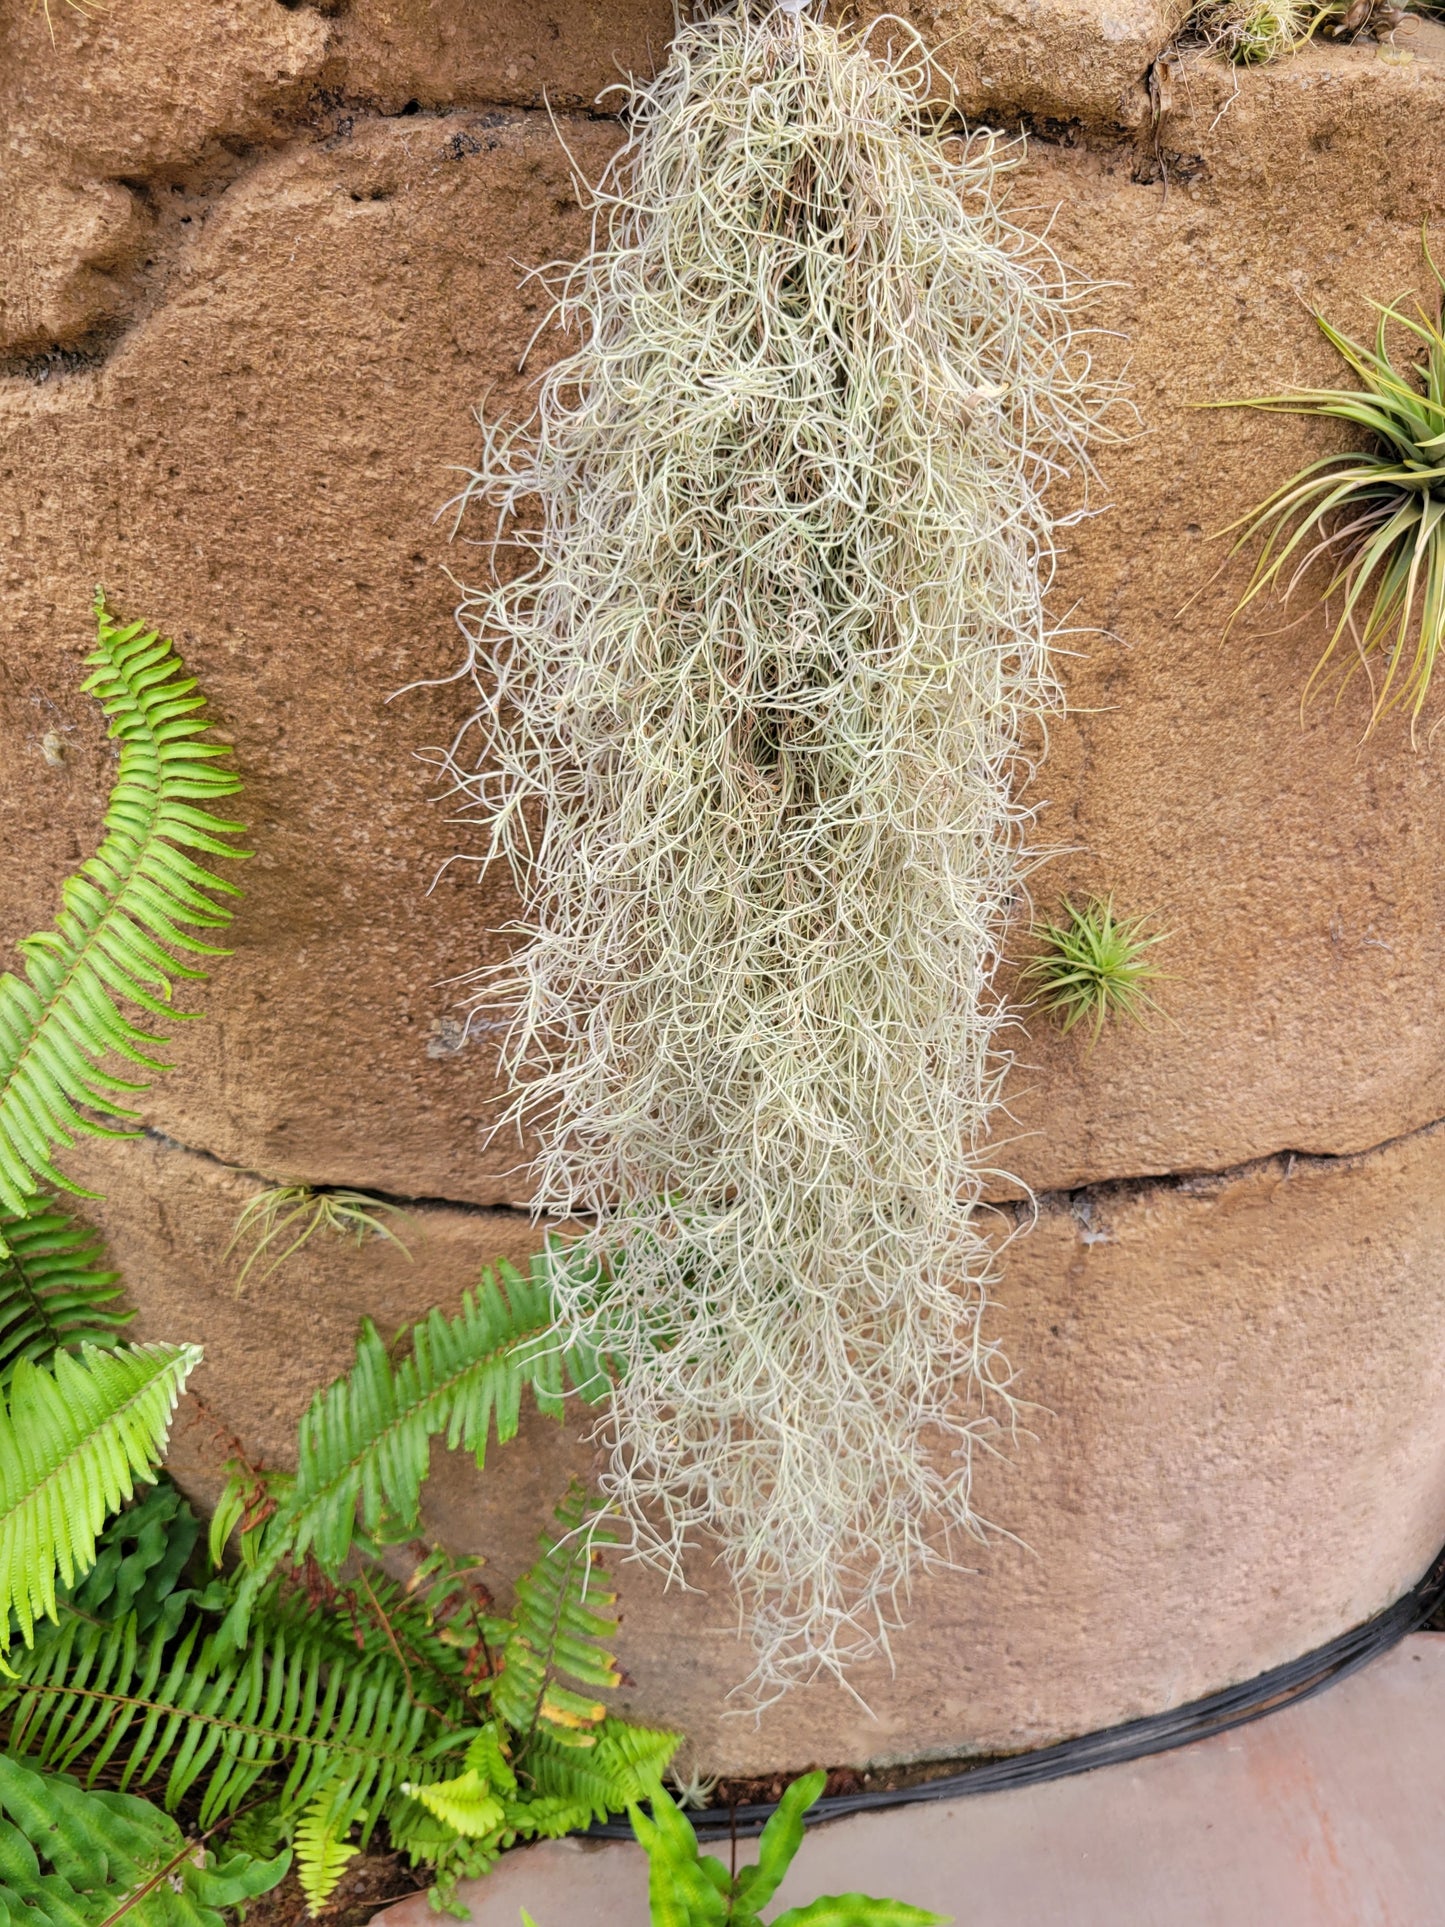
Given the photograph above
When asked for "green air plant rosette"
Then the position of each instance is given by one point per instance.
(289, 1215)
(1251, 32)
(1375, 514)
(749, 732)
(1093, 967)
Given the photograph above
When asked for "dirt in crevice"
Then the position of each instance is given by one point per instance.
(373, 1880)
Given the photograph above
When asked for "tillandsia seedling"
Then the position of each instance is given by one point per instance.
(1375, 515)
(687, 1888)
(751, 720)
(1093, 967)
(296, 1212)
(1250, 32)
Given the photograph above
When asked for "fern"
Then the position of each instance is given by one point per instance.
(625, 1764)
(321, 1854)
(72, 1444)
(54, 1294)
(120, 918)
(560, 1616)
(355, 1700)
(365, 1440)
(182, 1714)
(475, 1802)
(78, 1859)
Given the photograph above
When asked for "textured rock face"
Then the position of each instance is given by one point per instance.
(1233, 1452)
(1069, 60)
(261, 266)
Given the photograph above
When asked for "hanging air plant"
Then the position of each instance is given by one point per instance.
(1376, 513)
(750, 730)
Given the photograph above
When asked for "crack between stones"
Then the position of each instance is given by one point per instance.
(1199, 1180)
(327, 118)
(412, 1201)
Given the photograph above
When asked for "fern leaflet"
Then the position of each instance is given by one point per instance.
(365, 1440)
(120, 917)
(72, 1443)
(561, 1613)
(54, 1294)
(322, 1852)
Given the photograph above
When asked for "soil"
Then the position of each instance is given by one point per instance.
(372, 1881)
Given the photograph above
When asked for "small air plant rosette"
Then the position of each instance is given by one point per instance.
(749, 731)
(1374, 514)
(1093, 967)
(278, 1221)
(1250, 32)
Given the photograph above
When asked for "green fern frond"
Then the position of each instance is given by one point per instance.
(121, 917)
(447, 1855)
(176, 1710)
(465, 1803)
(356, 1699)
(369, 1621)
(624, 1765)
(474, 1802)
(72, 1443)
(365, 1440)
(72, 1858)
(55, 1294)
(561, 1613)
(322, 1852)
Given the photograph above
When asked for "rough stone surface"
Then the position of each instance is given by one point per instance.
(1293, 866)
(101, 118)
(1081, 61)
(257, 466)
(257, 298)
(1232, 1452)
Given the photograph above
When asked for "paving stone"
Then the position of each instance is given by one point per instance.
(1330, 1813)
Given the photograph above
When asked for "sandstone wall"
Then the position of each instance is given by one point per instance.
(257, 266)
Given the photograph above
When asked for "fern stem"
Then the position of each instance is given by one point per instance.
(178, 1859)
(380, 1615)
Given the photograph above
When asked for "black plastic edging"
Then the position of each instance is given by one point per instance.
(1282, 1686)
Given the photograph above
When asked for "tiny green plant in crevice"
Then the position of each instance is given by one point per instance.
(296, 1212)
(1250, 32)
(687, 1888)
(1093, 967)
(1375, 515)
